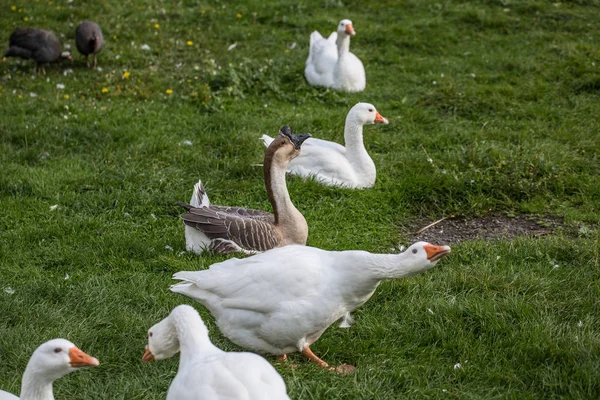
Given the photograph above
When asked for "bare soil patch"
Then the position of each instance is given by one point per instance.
(487, 227)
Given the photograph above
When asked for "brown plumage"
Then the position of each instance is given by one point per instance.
(37, 44)
(89, 40)
(231, 229)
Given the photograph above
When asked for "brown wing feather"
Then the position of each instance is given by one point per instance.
(247, 232)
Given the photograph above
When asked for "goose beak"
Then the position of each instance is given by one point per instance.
(148, 356)
(79, 359)
(434, 253)
(379, 119)
(350, 30)
(298, 139)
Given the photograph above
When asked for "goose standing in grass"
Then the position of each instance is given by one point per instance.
(40, 45)
(49, 362)
(335, 165)
(89, 40)
(205, 371)
(223, 229)
(282, 301)
(330, 62)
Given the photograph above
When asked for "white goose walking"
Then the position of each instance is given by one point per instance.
(205, 371)
(282, 301)
(331, 163)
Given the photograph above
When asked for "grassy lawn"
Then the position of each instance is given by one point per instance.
(494, 107)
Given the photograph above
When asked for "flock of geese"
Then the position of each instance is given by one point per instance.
(281, 298)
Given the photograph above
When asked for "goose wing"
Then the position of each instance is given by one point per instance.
(250, 229)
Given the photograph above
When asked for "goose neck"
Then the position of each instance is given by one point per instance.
(343, 44)
(36, 385)
(192, 335)
(279, 197)
(378, 267)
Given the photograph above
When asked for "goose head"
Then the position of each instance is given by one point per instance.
(59, 357)
(162, 341)
(345, 28)
(286, 145)
(423, 256)
(66, 55)
(365, 114)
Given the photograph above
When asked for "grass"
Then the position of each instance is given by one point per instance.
(493, 107)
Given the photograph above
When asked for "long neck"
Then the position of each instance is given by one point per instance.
(283, 208)
(36, 385)
(343, 44)
(356, 152)
(192, 335)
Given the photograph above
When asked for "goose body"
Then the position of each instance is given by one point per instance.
(37, 44)
(330, 62)
(89, 40)
(225, 229)
(282, 301)
(205, 371)
(49, 362)
(331, 163)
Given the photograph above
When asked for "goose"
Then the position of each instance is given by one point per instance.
(205, 371)
(330, 62)
(89, 40)
(223, 229)
(38, 44)
(281, 301)
(49, 362)
(331, 163)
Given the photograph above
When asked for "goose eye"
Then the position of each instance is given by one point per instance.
(414, 251)
(149, 334)
(57, 350)
(370, 110)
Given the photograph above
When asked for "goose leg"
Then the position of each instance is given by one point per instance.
(87, 61)
(95, 60)
(282, 358)
(342, 369)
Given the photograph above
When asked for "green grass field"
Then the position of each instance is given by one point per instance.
(494, 106)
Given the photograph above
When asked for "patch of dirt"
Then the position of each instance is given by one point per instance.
(488, 227)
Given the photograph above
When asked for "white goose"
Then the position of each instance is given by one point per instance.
(50, 361)
(331, 163)
(330, 62)
(282, 301)
(224, 229)
(205, 371)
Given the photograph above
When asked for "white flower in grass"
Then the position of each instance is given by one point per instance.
(555, 266)
(33, 94)
(153, 216)
(168, 248)
(430, 311)
(60, 86)
(580, 324)
(457, 366)
(67, 45)
(9, 290)
(67, 277)
(180, 253)
(231, 47)
(65, 116)
(293, 46)
(472, 75)
(187, 143)
(67, 72)
(145, 47)
(54, 207)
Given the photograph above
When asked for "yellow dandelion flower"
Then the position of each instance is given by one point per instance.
(104, 90)
(20, 10)
(25, 19)
(169, 91)
(114, 37)
(202, 12)
(157, 26)
(3, 59)
(20, 96)
(190, 43)
(13, 8)
(286, 51)
(238, 15)
(50, 3)
(126, 74)
(66, 97)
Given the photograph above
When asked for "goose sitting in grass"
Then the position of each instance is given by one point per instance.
(331, 163)
(205, 371)
(282, 301)
(223, 229)
(49, 362)
(330, 62)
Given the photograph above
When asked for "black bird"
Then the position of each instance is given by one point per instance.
(37, 44)
(89, 40)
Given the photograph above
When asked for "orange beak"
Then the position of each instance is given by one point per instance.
(79, 359)
(380, 120)
(434, 253)
(350, 30)
(148, 356)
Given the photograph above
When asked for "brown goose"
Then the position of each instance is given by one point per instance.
(37, 44)
(89, 40)
(234, 229)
